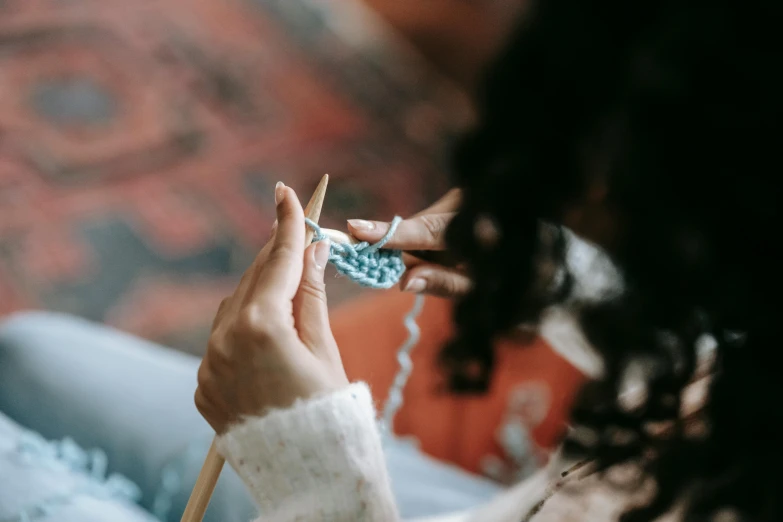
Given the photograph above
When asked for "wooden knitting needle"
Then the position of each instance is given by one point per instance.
(313, 209)
(213, 464)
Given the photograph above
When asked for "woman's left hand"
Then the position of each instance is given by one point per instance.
(271, 342)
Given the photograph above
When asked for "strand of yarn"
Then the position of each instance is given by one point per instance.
(372, 266)
(367, 264)
(394, 401)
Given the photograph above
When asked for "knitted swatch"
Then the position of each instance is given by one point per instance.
(366, 264)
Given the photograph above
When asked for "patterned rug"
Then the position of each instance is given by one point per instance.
(140, 141)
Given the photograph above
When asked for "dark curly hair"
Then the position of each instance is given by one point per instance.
(673, 109)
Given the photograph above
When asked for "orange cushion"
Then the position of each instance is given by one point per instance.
(532, 387)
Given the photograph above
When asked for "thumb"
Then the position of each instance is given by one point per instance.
(310, 311)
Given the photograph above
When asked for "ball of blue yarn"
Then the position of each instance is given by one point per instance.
(367, 264)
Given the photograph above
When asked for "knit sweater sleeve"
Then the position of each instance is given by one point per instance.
(318, 460)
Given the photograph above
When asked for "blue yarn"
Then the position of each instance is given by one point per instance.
(368, 265)
(394, 401)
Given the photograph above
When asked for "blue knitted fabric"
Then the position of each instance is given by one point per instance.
(366, 264)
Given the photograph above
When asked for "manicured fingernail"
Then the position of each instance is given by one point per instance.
(360, 224)
(279, 192)
(321, 254)
(415, 285)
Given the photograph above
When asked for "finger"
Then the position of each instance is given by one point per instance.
(410, 261)
(311, 314)
(221, 311)
(435, 280)
(427, 257)
(250, 277)
(448, 203)
(425, 232)
(433, 257)
(280, 273)
(445, 205)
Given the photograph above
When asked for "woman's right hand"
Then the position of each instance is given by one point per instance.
(422, 240)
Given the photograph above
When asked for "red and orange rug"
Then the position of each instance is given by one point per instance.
(140, 141)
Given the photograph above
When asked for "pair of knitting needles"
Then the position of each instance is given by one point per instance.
(213, 464)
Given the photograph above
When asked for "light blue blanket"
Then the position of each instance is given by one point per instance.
(82, 386)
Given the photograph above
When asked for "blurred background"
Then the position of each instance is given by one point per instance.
(140, 141)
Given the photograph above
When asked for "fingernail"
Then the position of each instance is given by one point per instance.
(279, 192)
(360, 224)
(415, 285)
(321, 254)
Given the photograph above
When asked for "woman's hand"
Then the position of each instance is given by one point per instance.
(271, 342)
(422, 239)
